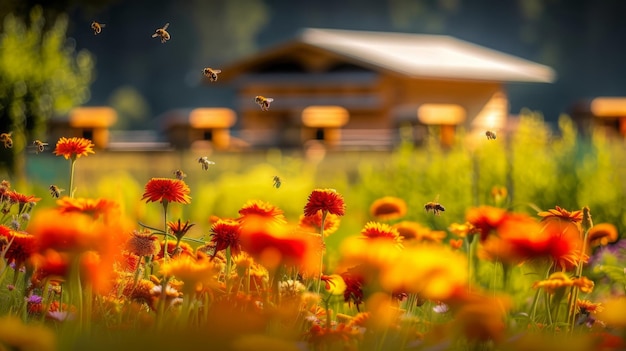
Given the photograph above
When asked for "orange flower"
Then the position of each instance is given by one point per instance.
(463, 230)
(184, 249)
(93, 207)
(456, 243)
(602, 234)
(561, 213)
(375, 230)
(587, 306)
(485, 219)
(168, 190)
(555, 281)
(388, 208)
(225, 233)
(481, 318)
(73, 147)
(20, 248)
(325, 200)
(143, 243)
(313, 223)
(67, 232)
(254, 208)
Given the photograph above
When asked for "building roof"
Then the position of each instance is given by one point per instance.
(413, 55)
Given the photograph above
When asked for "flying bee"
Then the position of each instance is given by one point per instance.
(434, 206)
(39, 146)
(55, 191)
(263, 102)
(277, 182)
(179, 174)
(97, 27)
(490, 135)
(6, 139)
(211, 73)
(162, 33)
(204, 161)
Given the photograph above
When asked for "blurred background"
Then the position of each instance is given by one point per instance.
(582, 40)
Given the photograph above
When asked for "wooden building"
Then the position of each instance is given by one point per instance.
(604, 113)
(207, 126)
(354, 88)
(91, 122)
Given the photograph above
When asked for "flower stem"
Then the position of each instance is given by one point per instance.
(323, 248)
(165, 253)
(585, 227)
(72, 167)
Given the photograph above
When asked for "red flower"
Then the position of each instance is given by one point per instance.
(485, 219)
(273, 243)
(325, 200)
(179, 229)
(16, 197)
(73, 147)
(354, 287)
(167, 189)
(225, 233)
(21, 246)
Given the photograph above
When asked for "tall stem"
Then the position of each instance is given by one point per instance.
(165, 253)
(323, 249)
(72, 166)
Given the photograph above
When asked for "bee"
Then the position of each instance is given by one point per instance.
(179, 174)
(39, 145)
(263, 102)
(277, 182)
(204, 161)
(434, 206)
(55, 191)
(6, 139)
(490, 135)
(211, 73)
(162, 33)
(97, 27)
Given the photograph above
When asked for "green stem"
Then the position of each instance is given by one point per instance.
(323, 248)
(165, 251)
(228, 268)
(72, 167)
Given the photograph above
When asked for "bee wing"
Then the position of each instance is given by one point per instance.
(217, 71)
(102, 25)
(269, 100)
(166, 25)
(155, 35)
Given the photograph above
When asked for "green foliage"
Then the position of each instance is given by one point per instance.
(41, 74)
(540, 170)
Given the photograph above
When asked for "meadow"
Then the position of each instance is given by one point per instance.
(348, 252)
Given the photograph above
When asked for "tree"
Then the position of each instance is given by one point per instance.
(41, 75)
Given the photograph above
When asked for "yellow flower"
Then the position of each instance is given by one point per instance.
(602, 234)
(195, 274)
(388, 208)
(14, 335)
